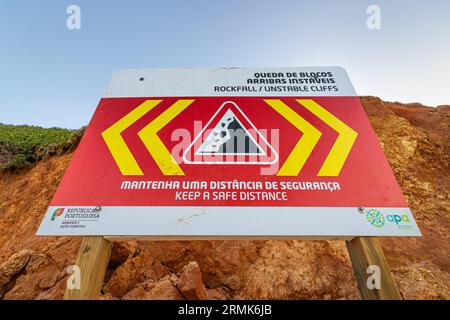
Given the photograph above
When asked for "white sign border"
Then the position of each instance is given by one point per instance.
(173, 222)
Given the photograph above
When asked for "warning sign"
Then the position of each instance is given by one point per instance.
(208, 153)
(231, 137)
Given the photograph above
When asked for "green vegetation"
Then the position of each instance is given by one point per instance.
(24, 145)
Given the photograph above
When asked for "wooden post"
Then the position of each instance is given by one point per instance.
(93, 257)
(367, 251)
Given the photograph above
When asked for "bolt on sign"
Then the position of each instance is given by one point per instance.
(229, 152)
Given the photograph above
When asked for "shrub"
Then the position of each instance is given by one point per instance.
(24, 145)
(17, 162)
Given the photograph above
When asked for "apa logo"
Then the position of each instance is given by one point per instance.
(401, 221)
(57, 213)
(398, 218)
(378, 220)
(375, 218)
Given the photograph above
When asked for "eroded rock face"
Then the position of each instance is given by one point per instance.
(11, 269)
(163, 289)
(417, 143)
(422, 281)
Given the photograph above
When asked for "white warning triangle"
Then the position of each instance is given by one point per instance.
(229, 137)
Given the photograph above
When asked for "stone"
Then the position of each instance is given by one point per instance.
(11, 268)
(190, 282)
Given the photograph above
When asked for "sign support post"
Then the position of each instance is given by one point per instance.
(92, 259)
(365, 252)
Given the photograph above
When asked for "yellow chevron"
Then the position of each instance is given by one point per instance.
(344, 142)
(153, 143)
(119, 150)
(298, 156)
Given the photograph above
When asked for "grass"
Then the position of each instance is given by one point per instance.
(24, 145)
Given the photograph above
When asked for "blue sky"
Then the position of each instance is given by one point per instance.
(52, 76)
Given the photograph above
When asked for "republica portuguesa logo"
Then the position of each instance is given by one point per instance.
(57, 213)
(375, 218)
(75, 213)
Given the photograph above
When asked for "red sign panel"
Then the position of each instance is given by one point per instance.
(94, 170)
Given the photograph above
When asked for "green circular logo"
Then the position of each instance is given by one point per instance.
(376, 218)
